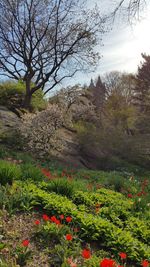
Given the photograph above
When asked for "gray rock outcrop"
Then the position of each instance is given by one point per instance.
(9, 122)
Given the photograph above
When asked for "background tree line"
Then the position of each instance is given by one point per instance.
(112, 116)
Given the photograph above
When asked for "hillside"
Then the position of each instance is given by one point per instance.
(56, 215)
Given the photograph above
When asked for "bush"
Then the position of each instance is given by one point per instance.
(37, 101)
(30, 171)
(109, 148)
(60, 186)
(12, 95)
(40, 131)
(63, 186)
(8, 172)
(14, 199)
(139, 229)
(51, 231)
(116, 183)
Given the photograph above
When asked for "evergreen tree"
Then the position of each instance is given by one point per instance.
(92, 86)
(142, 90)
(99, 94)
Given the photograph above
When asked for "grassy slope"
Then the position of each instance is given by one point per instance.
(108, 220)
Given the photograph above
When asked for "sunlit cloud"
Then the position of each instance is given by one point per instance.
(122, 46)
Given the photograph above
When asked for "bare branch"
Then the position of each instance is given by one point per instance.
(40, 39)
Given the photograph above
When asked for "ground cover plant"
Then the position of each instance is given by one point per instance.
(57, 215)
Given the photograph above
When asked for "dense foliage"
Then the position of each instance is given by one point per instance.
(12, 95)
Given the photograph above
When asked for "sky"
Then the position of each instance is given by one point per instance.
(122, 46)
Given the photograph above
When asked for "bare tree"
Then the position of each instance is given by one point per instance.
(132, 8)
(120, 83)
(43, 42)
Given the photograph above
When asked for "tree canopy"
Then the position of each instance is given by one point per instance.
(43, 42)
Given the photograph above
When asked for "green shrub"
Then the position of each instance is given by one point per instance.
(30, 171)
(117, 182)
(12, 95)
(3, 152)
(50, 201)
(93, 227)
(51, 231)
(104, 197)
(14, 199)
(139, 229)
(61, 186)
(37, 101)
(8, 172)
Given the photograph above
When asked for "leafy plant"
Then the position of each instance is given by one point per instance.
(61, 186)
(30, 171)
(22, 254)
(15, 199)
(52, 231)
(8, 172)
(95, 227)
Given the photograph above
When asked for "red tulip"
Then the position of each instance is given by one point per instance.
(69, 237)
(25, 243)
(86, 254)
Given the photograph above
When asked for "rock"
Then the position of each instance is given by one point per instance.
(70, 153)
(9, 122)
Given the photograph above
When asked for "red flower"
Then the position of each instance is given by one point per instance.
(69, 237)
(45, 217)
(46, 173)
(61, 216)
(68, 219)
(25, 243)
(86, 254)
(130, 196)
(145, 263)
(57, 222)
(122, 255)
(107, 263)
(37, 222)
(53, 219)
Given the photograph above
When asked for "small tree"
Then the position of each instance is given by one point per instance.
(39, 131)
(43, 42)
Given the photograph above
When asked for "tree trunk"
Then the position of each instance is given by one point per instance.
(28, 96)
(27, 102)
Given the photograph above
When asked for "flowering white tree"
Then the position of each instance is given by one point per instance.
(39, 130)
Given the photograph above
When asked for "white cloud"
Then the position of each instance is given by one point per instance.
(122, 46)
